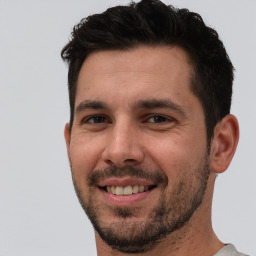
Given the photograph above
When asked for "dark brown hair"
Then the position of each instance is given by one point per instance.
(151, 22)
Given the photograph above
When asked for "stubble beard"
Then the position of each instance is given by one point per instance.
(173, 211)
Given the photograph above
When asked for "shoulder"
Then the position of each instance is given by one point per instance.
(229, 250)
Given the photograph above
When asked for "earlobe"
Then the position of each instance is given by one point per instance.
(67, 138)
(224, 143)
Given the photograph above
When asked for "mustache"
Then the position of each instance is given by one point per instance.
(98, 176)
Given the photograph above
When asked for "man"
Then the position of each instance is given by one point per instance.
(150, 128)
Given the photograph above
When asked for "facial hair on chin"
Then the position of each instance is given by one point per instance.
(173, 210)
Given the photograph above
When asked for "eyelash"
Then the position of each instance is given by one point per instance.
(157, 119)
(87, 120)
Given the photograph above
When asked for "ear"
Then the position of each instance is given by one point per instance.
(224, 143)
(67, 138)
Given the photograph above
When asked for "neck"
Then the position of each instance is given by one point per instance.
(196, 237)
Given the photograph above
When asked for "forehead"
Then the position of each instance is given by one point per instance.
(135, 73)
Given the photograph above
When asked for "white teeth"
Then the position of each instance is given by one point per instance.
(119, 191)
(128, 190)
(141, 189)
(113, 189)
(135, 189)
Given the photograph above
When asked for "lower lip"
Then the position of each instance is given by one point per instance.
(125, 200)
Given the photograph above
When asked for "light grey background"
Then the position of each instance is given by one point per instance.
(39, 212)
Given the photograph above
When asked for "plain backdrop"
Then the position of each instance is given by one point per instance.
(39, 212)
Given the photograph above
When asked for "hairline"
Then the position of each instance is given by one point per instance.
(194, 75)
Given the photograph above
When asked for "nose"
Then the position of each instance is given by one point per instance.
(123, 147)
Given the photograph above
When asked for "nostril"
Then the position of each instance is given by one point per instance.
(120, 164)
(130, 160)
(109, 162)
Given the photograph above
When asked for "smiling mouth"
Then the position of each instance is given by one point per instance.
(127, 190)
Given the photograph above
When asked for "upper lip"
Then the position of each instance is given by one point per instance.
(123, 182)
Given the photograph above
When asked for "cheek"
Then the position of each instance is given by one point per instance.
(176, 156)
(85, 155)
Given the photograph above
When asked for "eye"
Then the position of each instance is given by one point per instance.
(95, 120)
(158, 119)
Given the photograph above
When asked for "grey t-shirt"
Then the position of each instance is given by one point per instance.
(229, 250)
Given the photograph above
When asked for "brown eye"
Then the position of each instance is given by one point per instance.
(96, 120)
(158, 119)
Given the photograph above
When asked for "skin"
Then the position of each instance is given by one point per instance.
(171, 140)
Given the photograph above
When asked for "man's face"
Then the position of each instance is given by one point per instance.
(138, 148)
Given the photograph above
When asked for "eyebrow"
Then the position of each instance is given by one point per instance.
(90, 104)
(162, 104)
(141, 104)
